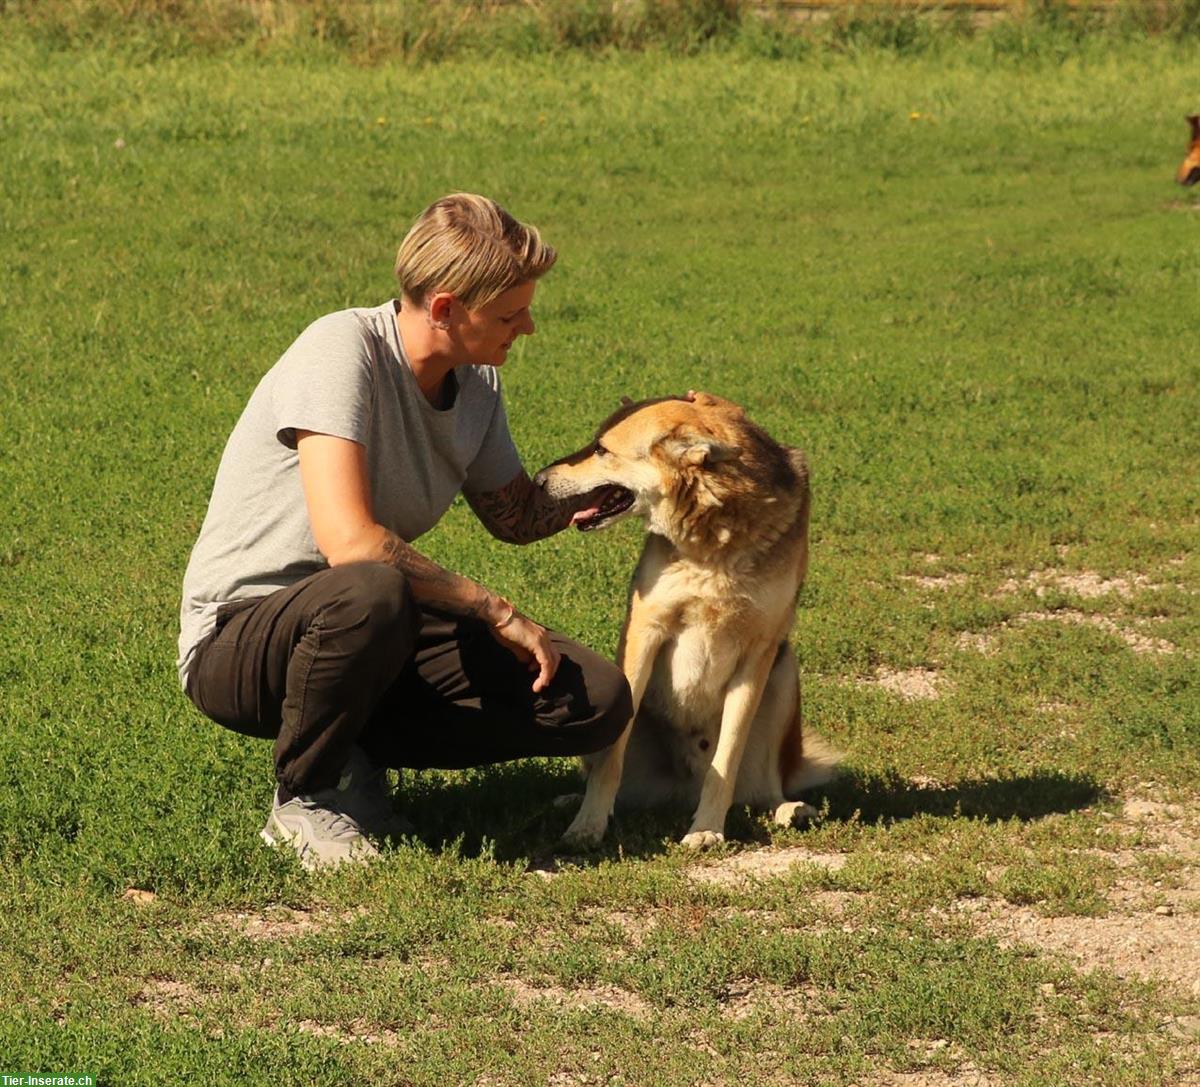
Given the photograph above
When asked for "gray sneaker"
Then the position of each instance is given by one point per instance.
(362, 793)
(318, 830)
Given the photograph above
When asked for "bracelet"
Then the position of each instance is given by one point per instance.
(512, 614)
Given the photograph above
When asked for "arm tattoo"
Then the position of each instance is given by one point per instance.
(434, 584)
(521, 512)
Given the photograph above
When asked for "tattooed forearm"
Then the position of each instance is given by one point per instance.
(521, 512)
(434, 584)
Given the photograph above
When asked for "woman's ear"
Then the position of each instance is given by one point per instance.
(438, 310)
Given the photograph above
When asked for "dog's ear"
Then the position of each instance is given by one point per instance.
(701, 451)
(708, 453)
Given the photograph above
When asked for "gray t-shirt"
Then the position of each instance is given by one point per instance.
(346, 375)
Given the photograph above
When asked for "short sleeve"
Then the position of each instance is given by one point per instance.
(497, 461)
(324, 382)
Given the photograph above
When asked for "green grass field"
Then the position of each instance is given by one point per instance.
(963, 281)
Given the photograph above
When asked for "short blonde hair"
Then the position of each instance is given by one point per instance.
(471, 247)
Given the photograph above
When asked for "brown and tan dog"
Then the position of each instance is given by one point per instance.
(715, 684)
(1189, 169)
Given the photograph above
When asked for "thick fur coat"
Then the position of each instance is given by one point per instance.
(715, 684)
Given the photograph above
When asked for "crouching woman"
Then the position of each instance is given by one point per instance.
(308, 617)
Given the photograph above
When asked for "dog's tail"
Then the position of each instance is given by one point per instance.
(818, 765)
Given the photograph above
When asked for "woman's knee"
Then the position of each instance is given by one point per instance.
(374, 600)
(609, 701)
(617, 700)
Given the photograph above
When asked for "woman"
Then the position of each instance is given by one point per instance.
(308, 617)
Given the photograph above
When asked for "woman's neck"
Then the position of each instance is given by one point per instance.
(425, 351)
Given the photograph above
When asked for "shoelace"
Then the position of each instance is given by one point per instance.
(336, 823)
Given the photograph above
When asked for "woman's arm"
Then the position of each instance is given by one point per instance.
(520, 512)
(337, 493)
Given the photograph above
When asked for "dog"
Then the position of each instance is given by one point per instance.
(716, 689)
(1189, 170)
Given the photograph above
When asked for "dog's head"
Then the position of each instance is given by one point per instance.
(1189, 169)
(648, 454)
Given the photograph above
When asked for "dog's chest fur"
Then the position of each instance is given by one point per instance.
(712, 621)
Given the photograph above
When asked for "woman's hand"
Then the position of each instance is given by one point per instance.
(530, 643)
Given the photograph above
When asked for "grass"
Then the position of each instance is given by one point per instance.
(960, 278)
(424, 31)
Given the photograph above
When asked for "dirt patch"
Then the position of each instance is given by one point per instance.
(1085, 584)
(609, 997)
(173, 1001)
(746, 998)
(1171, 827)
(965, 1077)
(940, 582)
(168, 998)
(1153, 928)
(635, 926)
(744, 868)
(348, 1033)
(913, 685)
(1132, 635)
(1141, 945)
(282, 922)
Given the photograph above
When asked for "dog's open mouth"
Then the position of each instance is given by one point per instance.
(602, 505)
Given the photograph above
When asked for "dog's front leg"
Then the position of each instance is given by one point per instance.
(742, 699)
(640, 643)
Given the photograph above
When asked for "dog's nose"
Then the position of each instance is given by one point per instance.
(540, 479)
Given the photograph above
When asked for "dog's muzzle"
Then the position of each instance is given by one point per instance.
(601, 506)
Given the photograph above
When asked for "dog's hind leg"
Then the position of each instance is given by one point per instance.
(804, 763)
(774, 746)
(793, 813)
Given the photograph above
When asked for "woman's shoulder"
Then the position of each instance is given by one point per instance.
(359, 323)
(350, 335)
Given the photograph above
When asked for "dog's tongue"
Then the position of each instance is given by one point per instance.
(592, 501)
(584, 514)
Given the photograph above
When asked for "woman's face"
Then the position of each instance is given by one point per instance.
(485, 334)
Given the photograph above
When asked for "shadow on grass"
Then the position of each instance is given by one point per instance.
(509, 810)
(888, 797)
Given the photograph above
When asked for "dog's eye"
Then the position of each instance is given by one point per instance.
(601, 451)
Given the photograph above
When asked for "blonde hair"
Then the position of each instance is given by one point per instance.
(471, 247)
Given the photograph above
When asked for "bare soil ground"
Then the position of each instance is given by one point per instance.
(1152, 929)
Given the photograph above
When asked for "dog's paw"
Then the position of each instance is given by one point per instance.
(702, 839)
(795, 813)
(567, 800)
(585, 832)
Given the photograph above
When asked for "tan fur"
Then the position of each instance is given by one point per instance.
(1189, 170)
(704, 646)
